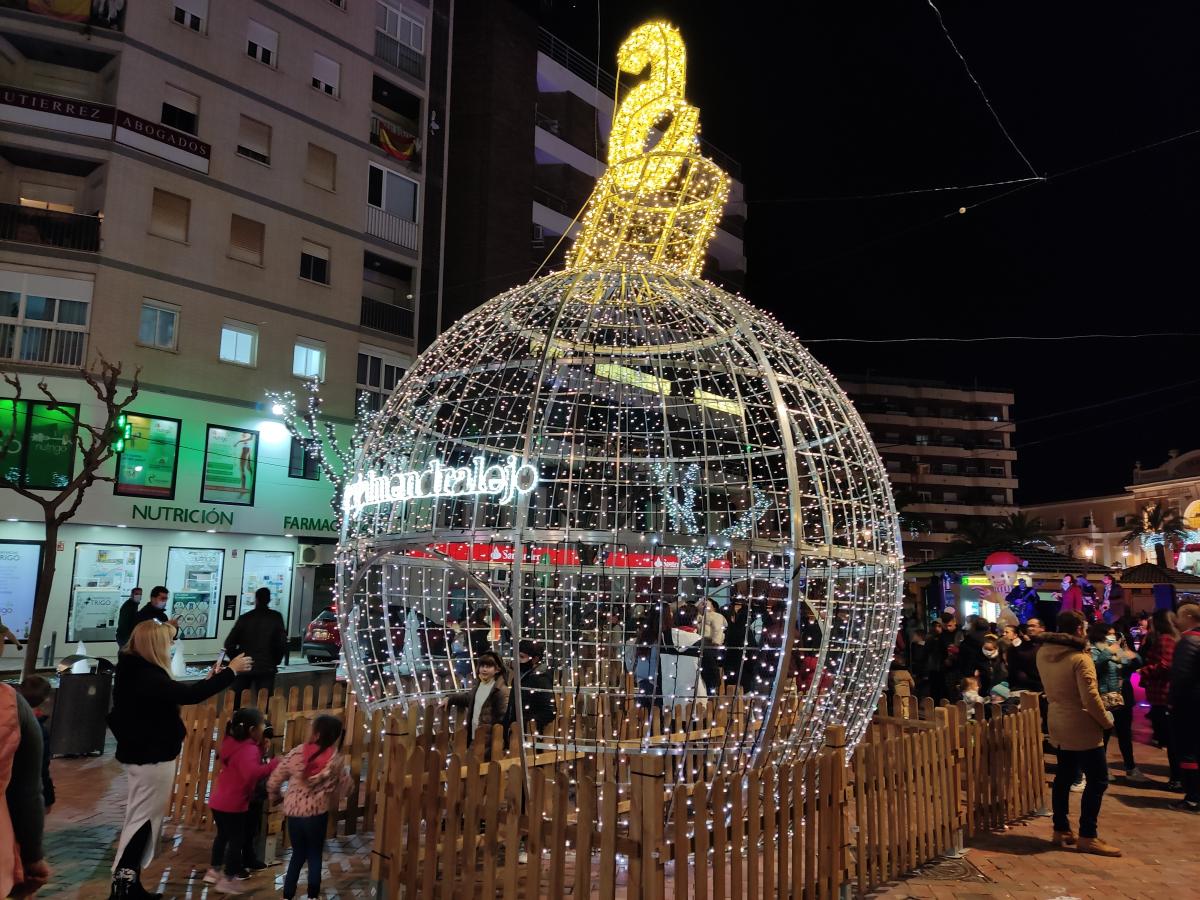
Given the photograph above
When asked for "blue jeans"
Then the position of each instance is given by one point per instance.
(1092, 763)
(307, 834)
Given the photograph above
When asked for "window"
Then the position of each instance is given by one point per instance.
(924, 496)
(950, 497)
(950, 524)
(169, 216)
(996, 471)
(892, 437)
(314, 262)
(926, 555)
(38, 327)
(321, 168)
(392, 192)
(325, 74)
(302, 463)
(158, 325)
(181, 110)
(999, 498)
(254, 140)
(308, 359)
(893, 465)
(1087, 522)
(246, 240)
(408, 30)
(1120, 521)
(947, 439)
(45, 196)
(1062, 523)
(949, 468)
(922, 440)
(147, 465)
(191, 14)
(239, 343)
(262, 43)
(378, 374)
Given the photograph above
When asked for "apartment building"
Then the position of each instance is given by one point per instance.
(948, 452)
(529, 140)
(1096, 527)
(231, 197)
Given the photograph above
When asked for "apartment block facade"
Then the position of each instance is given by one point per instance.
(529, 140)
(948, 451)
(230, 197)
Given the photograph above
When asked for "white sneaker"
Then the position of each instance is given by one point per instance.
(229, 886)
(212, 876)
(1137, 776)
(1078, 787)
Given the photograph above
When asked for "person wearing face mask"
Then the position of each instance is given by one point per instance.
(1070, 598)
(994, 668)
(127, 617)
(156, 609)
(1022, 658)
(537, 691)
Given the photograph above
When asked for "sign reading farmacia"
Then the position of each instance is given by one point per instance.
(508, 479)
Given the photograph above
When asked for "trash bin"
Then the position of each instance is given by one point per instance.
(80, 719)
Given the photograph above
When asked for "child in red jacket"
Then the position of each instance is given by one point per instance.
(241, 755)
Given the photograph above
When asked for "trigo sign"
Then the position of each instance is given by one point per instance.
(507, 480)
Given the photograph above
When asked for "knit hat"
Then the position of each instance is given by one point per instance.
(1001, 690)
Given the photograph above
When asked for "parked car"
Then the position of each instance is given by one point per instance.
(323, 637)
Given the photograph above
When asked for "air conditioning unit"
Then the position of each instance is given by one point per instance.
(316, 554)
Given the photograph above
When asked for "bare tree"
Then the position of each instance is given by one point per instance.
(94, 443)
(307, 422)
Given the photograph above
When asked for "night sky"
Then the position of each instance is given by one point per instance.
(825, 103)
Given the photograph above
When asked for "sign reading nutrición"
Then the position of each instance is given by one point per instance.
(436, 480)
(182, 514)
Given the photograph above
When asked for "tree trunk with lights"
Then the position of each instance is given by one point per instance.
(95, 446)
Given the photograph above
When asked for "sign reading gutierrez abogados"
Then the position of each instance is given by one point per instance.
(162, 140)
(61, 113)
(436, 480)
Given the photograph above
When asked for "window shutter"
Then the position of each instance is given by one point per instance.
(246, 239)
(326, 71)
(255, 139)
(322, 167)
(169, 215)
(198, 8)
(311, 249)
(182, 99)
(263, 37)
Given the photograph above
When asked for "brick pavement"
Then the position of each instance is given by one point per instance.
(1160, 858)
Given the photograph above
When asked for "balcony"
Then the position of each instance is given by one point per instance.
(396, 140)
(392, 229)
(48, 228)
(399, 56)
(386, 317)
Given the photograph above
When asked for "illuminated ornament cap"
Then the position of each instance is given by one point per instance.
(656, 205)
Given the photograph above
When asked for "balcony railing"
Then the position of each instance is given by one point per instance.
(396, 54)
(400, 138)
(48, 345)
(391, 228)
(30, 225)
(551, 200)
(386, 317)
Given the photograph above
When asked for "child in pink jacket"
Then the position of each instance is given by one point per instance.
(313, 771)
(241, 754)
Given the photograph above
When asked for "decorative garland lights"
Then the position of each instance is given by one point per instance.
(642, 473)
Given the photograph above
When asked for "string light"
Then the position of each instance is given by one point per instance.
(690, 456)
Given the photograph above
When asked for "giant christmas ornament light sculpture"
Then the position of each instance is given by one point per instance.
(601, 459)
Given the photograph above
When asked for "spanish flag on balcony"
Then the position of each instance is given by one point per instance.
(397, 144)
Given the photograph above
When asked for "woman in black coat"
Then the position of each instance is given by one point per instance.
(145, 721)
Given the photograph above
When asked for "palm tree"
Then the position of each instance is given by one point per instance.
(1020, 530)
(1159, 527)
(977, 534)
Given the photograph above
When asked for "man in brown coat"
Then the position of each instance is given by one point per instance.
(1077, 720)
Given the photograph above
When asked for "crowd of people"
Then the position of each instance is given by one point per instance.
(1081, 663)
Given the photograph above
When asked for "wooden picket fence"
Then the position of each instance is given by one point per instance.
(452, 820)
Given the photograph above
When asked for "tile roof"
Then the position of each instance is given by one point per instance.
(1150, 573)
(1040, 559)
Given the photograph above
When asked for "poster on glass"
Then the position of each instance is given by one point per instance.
(268, 569)
(147, 465)
(41, 451)
(19, 565)
(194, 580)
(230, 466)
(103, 576)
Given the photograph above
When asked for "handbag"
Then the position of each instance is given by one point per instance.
(1112, 700)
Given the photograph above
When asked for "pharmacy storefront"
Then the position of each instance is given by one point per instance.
(209, 499)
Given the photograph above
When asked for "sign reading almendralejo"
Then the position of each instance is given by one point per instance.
(436, 480)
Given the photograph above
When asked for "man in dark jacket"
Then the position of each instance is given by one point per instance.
(537, 691)
(156, 609)
(261, 635)
(127, 617)
(1022, 657)
(1185, 704)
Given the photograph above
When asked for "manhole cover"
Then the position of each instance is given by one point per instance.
(951, 870)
